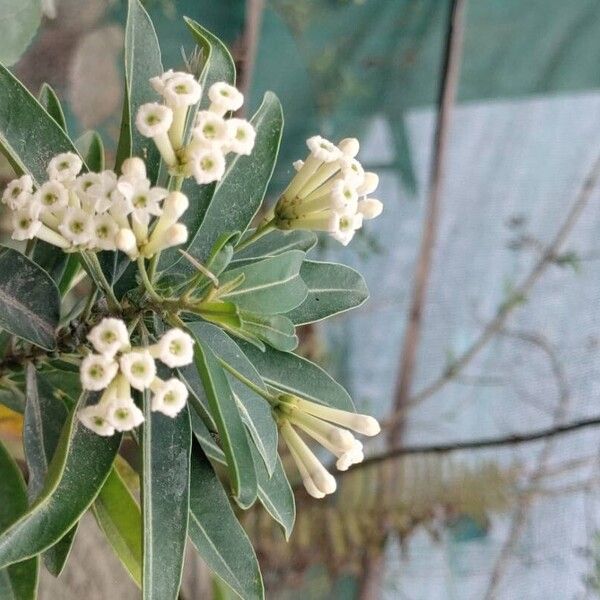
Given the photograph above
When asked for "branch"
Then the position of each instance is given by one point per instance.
(450, 79)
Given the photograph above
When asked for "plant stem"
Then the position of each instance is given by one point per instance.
(146, 280)
(90, 303)
(260, 231)
(94, 264)
(255, 388)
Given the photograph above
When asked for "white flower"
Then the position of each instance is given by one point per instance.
(364, 424)
(97, 371)
(370, 208)
(77, 226)
(52, 196)
(109, 336)
(349, 147)
(144, 200)
(322, 149)
(175, 348)
(64, 167)
(18, 192)
(173, 235)
(25, 223)
(158, 82)
(298, 164)
(134, 168)
(94, 418)
(169, 396)
(207, 165)
(153, 119)
(224, 97)
(353, 171)
(369, 184)
(181, 89)
(123, 414)
(210, 129)
(139, 368)
(105, 232)
(241, 136)
(126, 242)
(348, 224)
(344, 197)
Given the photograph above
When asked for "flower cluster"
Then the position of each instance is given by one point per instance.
(327, 426)
(117, 367)
(212, 135)
(329, 191)
(96, 211)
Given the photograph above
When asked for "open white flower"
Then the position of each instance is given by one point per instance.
(77, 226)
(123, 414)
(175, 348)
(65, 167)
(241, 137)
(159, 82)
(109, 336)
(154, 120)
(105, 232)
(139, 368)
(97, 371)
(207, 165)
(94, 418)
(51, 196)
(169, 396)
(210, 130)
(181, 90)
(224, 98)
(348, 225)
(18, 192)
(25, 223)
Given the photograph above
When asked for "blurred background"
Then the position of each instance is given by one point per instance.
(478, 349)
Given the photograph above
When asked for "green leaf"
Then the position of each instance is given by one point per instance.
(274, 491)
(217, 535)
(276, 242)
(19, 20)
(239, 194)
(19, 580)
(332, 289)
(69, 273)
(49, 100)
(142, 61)
(270, 286)
(29, 136)
(225, 412)
(119, 517)
(77, 472)
(278, 331)
(166, 446)
(291, 373)
(91, 147)
(29, 300)
(56, 556)
(255, 411)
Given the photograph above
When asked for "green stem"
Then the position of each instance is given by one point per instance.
(94, 263)
(255, 388)
(260, 231)
(146, 280)
(90, 303)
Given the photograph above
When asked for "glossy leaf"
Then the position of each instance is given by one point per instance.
(332, 289)
(225, 412)
(276, 242)
(291, 373)
(29, 299)
(142, 61)
(217, 534)
(29, 137)
(49, 100)
(255, 410)
(239, 194)
(77, 472)
(91, 147)
(270, 286)
(119, 517)
(166, 446)
(19, 580)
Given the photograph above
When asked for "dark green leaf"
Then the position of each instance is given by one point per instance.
(49, 100)
(91, 147)
(332, 289)
(77, 472)
(225, 412)
(29, 137)
(19, 580)
(217, 535)
(291, 373)
(166, 444)
(119, 517)
(29, 299)
(56, 556)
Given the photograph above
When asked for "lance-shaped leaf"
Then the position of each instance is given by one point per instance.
(239, 194)
(270, 286)
(225, 412)
(332, 289)
(91, 147)
(255, 410)
(29, 299)
(217, 534)
(77, 472)
(291, 373)
(278, 331)
(274, 490)
(49, 100)
(166, 444)
(142, 61)
(19, 580)
(119, 517)
(29, 136)
(274, 243)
